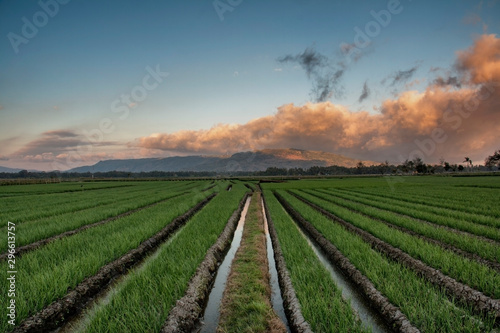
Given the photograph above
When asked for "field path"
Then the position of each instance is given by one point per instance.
(246, 303)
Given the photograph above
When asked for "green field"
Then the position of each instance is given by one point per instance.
(449, 224)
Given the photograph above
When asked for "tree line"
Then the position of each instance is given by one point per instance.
(415, 166)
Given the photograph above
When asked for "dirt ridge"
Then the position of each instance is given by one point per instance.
(291, 304)
(185, 315)
(391, 313)
(445, 227)
(60, 311)
(35, 245)
(472, 256)
(479, 301)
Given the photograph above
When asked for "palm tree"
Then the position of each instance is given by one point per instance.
(469, 161)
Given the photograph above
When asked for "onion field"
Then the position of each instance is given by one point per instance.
(421, 253)
(424, 251)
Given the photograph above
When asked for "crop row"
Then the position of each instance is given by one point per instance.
(475, 202)
(36, 230)
(405, 249)
(47, 273)
(457, 211)
(31, 232)
(426, 305)
(320, 299)
(35, 189)
(468, 243)
(420, 212)
(148, 294)
(49, 206)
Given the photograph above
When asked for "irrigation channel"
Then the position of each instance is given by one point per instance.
(211, 316)
(368, 316)
(276, 299)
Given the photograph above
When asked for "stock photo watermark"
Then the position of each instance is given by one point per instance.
(223, 6)
(120, 106)
(31, 27)
(11, 273)
(372, 29)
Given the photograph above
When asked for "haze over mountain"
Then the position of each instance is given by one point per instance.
(258, 160)
(9, 170)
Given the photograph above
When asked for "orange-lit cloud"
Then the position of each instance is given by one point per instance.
(447, 120)
(481, 62)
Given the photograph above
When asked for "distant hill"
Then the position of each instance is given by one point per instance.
(9, 170)
(258, 160)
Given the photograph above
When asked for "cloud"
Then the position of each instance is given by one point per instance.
(54, 143)
(51, 141)
(364, 93)
(65, 149)
(325, 78)
(449, 81)
(401, 76)
(60, 134)
(414, 83)
(439, 121)
(310, 60)
(481, 62)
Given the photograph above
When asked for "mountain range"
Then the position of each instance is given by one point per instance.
(9, 170)
(258, 160)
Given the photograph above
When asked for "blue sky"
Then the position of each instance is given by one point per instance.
(62, 82)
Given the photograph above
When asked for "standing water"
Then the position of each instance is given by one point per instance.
(368, 316)
(276, 299)
(210, 319)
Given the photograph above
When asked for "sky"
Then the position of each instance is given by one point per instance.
(84, 81)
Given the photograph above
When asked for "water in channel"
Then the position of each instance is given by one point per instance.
(211, 316)
(276, 299)
(368, 316)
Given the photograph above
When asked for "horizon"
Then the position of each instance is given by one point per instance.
(367, 80)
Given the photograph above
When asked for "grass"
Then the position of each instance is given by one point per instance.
(246, 303)
(35, 207)
(144, 300)
(476, 201)
(64, 187)
(421, 212)
(425, 305)
(49, 272)
(431, 207)
(467, 243)
(320, 299)
(472, 273)
(35, 230)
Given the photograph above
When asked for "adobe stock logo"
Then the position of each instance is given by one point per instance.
(225, 6)
(30, 28)
(373, 28)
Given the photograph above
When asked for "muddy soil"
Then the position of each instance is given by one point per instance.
(480, 302)
(392, 315)
(296, 320)
(33, 246)
(60, 311)
(465, 254)
(185, 315)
